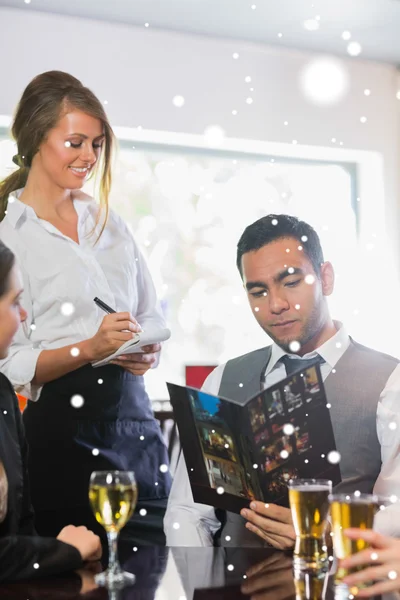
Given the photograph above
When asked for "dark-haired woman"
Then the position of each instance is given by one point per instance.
(22, 553)
(71, 249)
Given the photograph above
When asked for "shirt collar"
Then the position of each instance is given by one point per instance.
(331, 350)
(18, 211)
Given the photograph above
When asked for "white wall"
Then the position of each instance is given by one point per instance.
(139, 70)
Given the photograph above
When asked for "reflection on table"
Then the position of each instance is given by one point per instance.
(188, 574)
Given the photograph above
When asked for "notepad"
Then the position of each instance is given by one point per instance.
(144, 338)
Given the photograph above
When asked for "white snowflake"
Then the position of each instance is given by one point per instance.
(67, 309)
(288, 429)
(77, 401)
(294, 346)
(178, 101)
(333, 457)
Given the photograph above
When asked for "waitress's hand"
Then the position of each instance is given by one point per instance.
(139, 362)
(115, 330)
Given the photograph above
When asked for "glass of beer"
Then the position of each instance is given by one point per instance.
(113, 497)
(351, 510)
(311, 585)
(309, 505)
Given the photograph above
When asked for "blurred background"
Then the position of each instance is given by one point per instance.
(227, 110)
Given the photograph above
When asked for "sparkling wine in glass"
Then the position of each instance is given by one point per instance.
(113, 497)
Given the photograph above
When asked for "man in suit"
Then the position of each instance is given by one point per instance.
(287, 282)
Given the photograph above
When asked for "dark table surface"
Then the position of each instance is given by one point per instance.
(188, 574)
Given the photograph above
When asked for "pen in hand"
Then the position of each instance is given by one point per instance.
(107, 308)
(104, 306)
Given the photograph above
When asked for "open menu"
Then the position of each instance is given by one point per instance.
(237, 451)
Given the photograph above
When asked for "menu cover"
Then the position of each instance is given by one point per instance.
(238, 451)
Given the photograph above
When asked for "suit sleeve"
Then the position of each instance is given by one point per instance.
(23, 557)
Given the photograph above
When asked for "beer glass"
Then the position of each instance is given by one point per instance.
(311, 585)
(113, 497)
(351, 510)
(309, 505)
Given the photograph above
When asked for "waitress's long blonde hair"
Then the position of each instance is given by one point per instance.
(45, 100)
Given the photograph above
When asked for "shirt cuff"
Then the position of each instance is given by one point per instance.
(20, 370)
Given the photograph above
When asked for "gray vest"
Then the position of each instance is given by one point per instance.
(353, 392)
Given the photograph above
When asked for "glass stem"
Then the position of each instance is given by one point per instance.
(113, 564)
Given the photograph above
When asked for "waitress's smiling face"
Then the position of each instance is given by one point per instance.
(11, 312)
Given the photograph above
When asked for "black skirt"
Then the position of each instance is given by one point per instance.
(114, 429)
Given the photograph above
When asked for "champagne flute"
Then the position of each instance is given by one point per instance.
(113, 497)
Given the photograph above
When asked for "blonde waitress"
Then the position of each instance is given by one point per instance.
(72, 248)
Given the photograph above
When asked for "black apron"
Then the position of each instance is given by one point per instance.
(114, 429)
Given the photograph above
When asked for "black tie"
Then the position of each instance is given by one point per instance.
(294, 364)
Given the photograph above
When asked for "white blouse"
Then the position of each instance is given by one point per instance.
(61, 278)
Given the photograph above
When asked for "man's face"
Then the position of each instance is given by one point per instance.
(285, 294)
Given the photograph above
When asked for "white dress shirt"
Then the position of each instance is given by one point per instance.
(198, 522)
(61, 278)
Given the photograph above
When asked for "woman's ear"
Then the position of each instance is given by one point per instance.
(327, 278)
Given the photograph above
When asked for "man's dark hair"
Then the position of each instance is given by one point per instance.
(7, 260)
(275, 227)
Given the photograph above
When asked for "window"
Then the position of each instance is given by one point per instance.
(187, 207)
